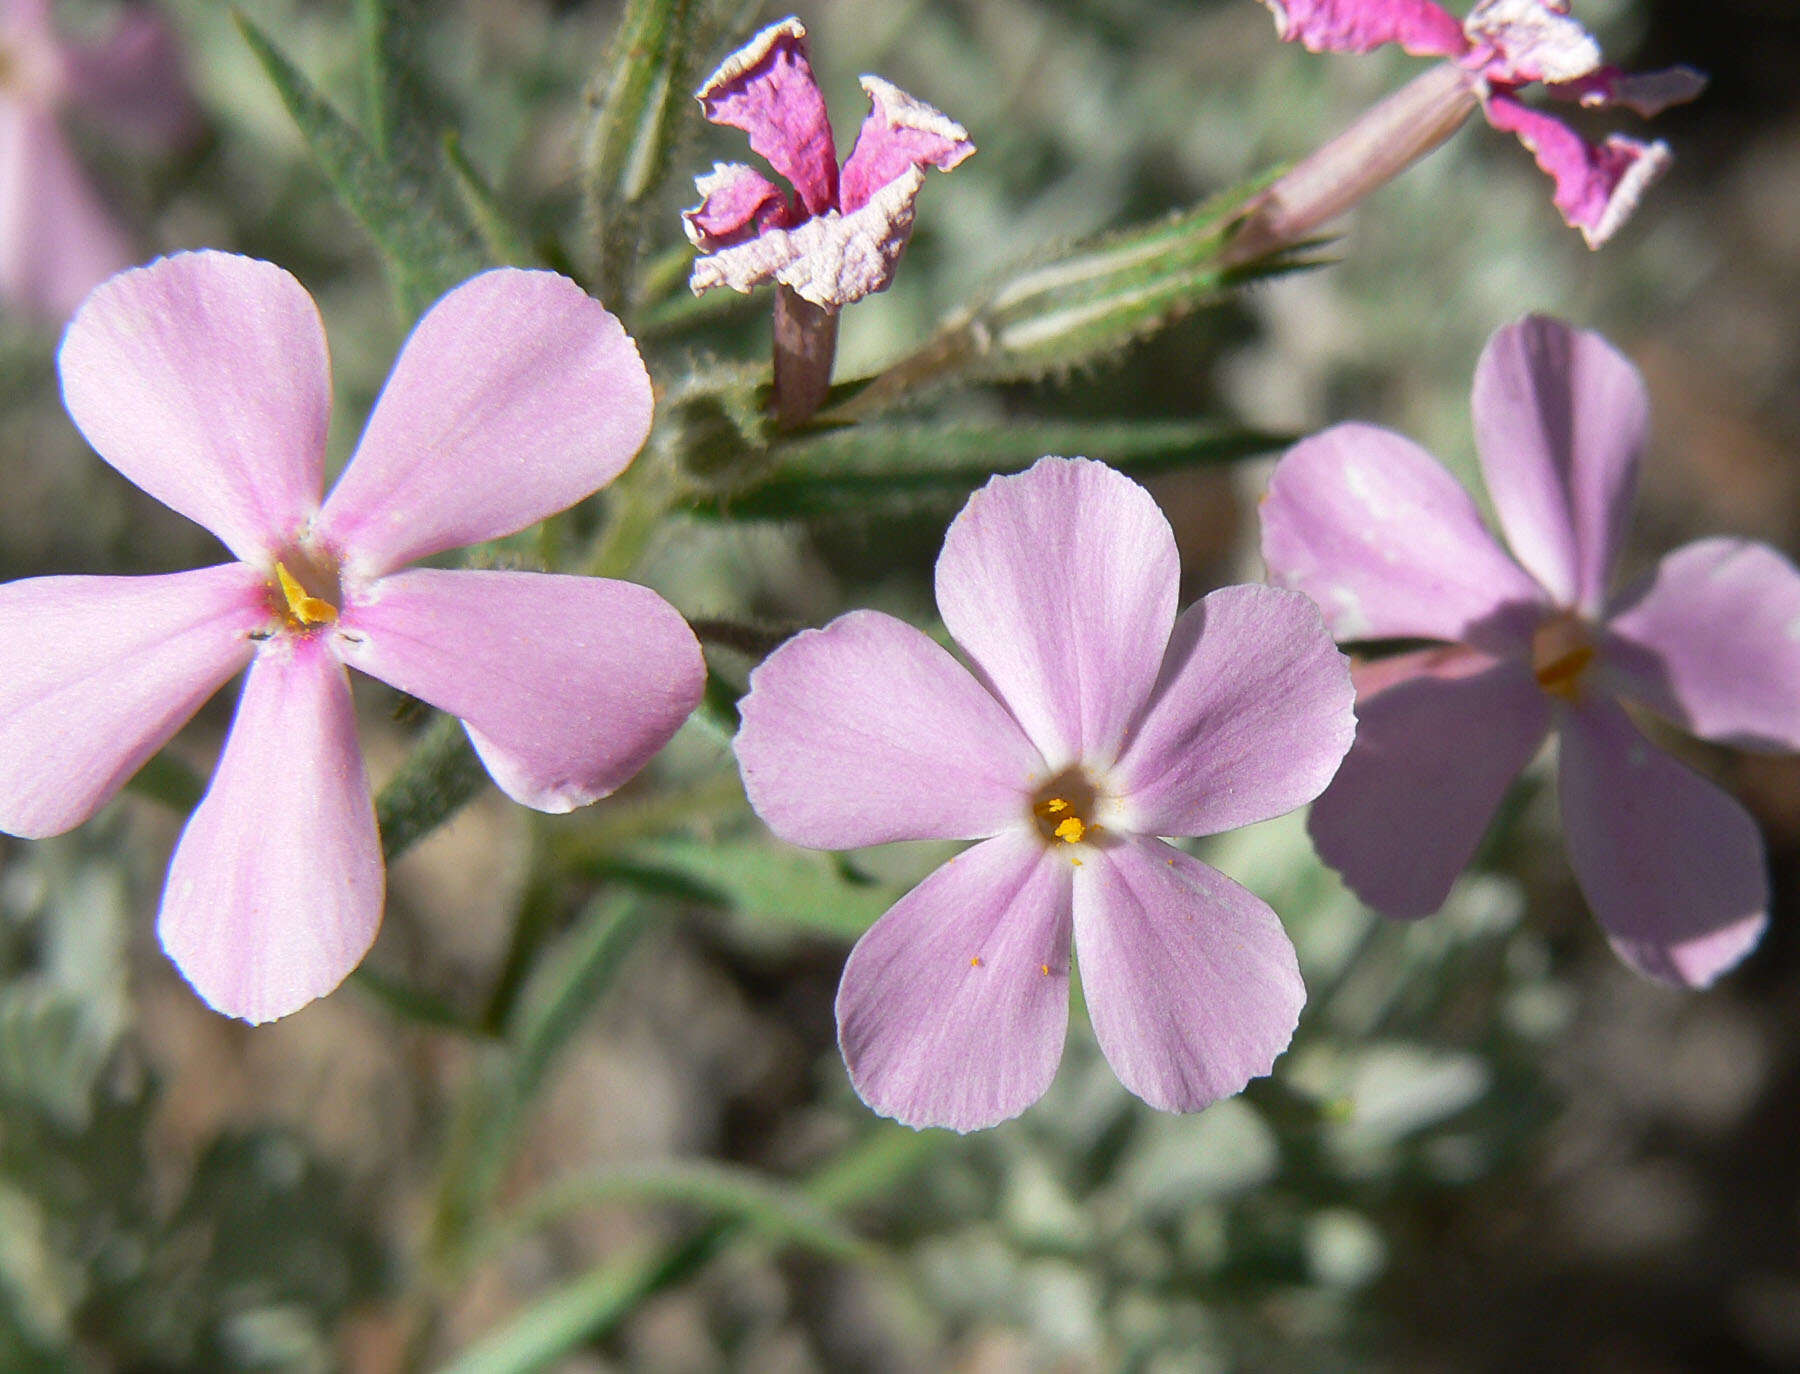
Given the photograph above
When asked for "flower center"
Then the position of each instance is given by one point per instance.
(1561, 650)
(1064, 807)
(305, 591)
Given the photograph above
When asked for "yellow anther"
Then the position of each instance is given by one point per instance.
(1071, 830)
(1056, 804)
(1561, 651)
(302, 605)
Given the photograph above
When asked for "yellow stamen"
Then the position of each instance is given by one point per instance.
(1561, 651)
(1071, 830)
(1056, 804)
(302, 605)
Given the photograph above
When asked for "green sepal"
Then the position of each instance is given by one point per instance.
(1088, 302)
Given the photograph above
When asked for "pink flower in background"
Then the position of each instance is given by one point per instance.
(1093, 722)
(1506, 46)
(1391, 546)
(839, 236)
(204, 379)
(57, 240)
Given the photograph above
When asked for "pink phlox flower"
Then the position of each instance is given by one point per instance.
(1094, 721)
(839, 235)
(204, 379)
(57, 239)
(1506, 46)
(1392, 547)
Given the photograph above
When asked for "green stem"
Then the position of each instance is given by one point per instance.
(437, 780)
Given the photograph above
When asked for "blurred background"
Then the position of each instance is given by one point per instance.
(1491, 1146)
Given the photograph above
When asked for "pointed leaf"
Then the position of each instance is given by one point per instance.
(878, 470)
(423, 242)
(641, 97)
(760, 880)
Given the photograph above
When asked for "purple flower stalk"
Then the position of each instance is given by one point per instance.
(1093, 721)
(1391, 546)
(204, 379)
(839, 235)
(1503, 47)
(57, 240)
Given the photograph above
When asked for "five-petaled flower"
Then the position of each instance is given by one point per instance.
(839, 236)
(1391, 546)
(57, 241)
(1504, 46)
(204, 379)
(1093, 722)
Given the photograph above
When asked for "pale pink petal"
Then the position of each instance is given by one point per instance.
(1713, 642)
(766, 88)
(1671, 865)
(1434, 755)
(867, 731)
(1250, 718)
(275, 890)
(1646, 94)
(1520, 41)
(831, 259)
(134, 79)
(1560, 419)
(736, 203)
(96, 674)
(516, 396)
(57, 241)
(1190, 981)
(1598, 185)
(204, 379)
(1419, 26)
(1060, 583)
(1389, 544)
(898, 134)
(953, 1006)
(568, 685)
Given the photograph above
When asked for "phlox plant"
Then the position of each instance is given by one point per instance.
(972, 810)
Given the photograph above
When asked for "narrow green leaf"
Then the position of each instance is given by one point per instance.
(774, 1210)
(412, 1003)
(586, 1308)
(569, 980)
(639, 98)
(760, 880)
(880, 469)
(592, 1305)
(559, 993)
(395, 82)
(505, 241)
(417, 228)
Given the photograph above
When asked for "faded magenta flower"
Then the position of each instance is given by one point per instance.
(203, 378)
(1503, 47)
(1391, 546)
(57, 240)
(839, 236)
(1093, 721)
